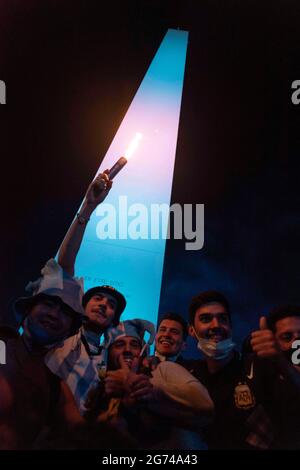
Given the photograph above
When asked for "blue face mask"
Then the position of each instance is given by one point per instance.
(215, 350)
(35, 335)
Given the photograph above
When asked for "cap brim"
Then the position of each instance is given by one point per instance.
(106, 290)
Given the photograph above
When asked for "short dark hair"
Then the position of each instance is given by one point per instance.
(178, 318)
(204, 298)
(283, 311)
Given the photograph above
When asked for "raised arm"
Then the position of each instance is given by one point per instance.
(96, 193)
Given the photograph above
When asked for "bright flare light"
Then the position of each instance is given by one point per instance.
(133, 145)
(123, 160)
(135, 265)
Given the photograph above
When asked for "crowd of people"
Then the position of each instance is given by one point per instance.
(78, 377)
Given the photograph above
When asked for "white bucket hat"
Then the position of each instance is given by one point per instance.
(55, 282)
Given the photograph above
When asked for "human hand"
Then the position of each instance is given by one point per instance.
(149, 364)
(98, 189)
(116, 381)
(141, 389)
(263, 341)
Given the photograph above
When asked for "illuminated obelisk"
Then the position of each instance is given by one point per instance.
(130, 263)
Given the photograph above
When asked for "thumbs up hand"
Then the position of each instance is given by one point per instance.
(263, 341)
(263, 323)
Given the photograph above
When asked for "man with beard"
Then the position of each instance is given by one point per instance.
(30, 396)
(250, 392)
(164, 409)
(81, 358)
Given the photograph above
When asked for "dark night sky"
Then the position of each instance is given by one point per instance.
(71, 70)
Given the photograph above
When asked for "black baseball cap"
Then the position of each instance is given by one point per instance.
(121, 301)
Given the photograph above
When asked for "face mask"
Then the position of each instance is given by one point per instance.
(35, 336)
(217, 351)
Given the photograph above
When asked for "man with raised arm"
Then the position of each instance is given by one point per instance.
(80, 359)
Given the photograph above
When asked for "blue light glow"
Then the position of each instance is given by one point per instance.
(134, 266)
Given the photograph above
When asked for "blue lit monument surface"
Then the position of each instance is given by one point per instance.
(124, 243)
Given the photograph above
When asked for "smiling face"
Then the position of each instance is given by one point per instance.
(101, 310)
(126, 346)
(49, 321)
(211, 322)
(169, 338)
